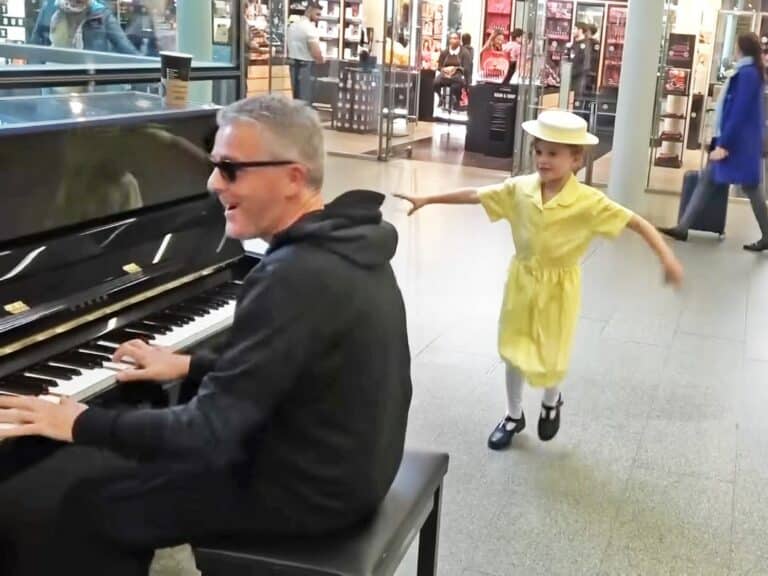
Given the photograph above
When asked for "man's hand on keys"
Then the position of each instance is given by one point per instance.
(150, 362)
(38, 416)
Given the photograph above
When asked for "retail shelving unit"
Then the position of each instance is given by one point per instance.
(329, 28)
(678, 70)
(432, 21)
(613, 51)
(499, 15)
(353, 30)
(558, 31)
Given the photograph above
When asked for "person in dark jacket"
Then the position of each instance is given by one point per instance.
(584, 53)
(738, 145)
(455, 66)
(298, 427)
(81, 25)
(466, 43)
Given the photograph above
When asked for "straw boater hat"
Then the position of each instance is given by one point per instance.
(561, 127)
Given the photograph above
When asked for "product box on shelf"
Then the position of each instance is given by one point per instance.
(676, 81)
(560, 9)
(353, 12)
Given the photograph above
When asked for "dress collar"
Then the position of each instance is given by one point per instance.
(565, 197)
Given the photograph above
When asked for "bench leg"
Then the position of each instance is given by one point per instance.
(429, 537)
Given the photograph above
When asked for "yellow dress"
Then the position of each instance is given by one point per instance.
(543, 291)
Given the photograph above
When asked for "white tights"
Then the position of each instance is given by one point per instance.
(515, 392)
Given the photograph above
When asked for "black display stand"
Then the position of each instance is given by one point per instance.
(357, 107)
(492, 112)
(678, 71)
(426, 96)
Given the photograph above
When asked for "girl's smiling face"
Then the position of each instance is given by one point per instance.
(556, 162)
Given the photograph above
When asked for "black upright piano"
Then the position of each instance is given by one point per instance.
(107, 233)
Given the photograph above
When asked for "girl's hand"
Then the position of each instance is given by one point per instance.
(416, 202)
(673, 271)
(718, 154)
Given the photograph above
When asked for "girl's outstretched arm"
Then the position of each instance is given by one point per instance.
(461, 196)
(673, 270)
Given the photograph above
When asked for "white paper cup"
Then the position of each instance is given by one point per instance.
(174, 81)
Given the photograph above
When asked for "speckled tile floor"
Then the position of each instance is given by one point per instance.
(661, 464)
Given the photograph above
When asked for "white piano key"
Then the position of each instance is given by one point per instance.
(94, 381)
(89, 383)
(202, 327)
(118, 366)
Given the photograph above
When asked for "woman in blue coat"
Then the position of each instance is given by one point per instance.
(737, 148)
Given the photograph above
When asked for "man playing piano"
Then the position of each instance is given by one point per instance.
(298, 425)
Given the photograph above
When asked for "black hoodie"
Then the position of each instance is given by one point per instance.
(309, 400)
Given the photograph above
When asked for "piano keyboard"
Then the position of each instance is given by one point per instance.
(88, 369)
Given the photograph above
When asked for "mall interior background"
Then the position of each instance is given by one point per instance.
(696, 47)
(379, 106)
(697, 360)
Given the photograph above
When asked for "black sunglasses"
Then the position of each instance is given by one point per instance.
(230, 169)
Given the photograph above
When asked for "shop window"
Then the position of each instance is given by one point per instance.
(123, 33)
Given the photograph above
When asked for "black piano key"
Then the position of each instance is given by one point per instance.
(25, 390)
(201, 300)
(57, 372)
(167, 318)
(25, 379)
(71, 372)
(120, 336)
(195, 303)
(99, 348)
(150, 327)
(78, 364)
(22, 384)
(161, 327)
(77, 359)
(228, 292)
(143, 334)
(208, 305)
(194, 311)
(213, 301)
(101, 356)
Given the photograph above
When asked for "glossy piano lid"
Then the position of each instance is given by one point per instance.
(71, 173)
(99, 207)
(71, 273)
(67, 108)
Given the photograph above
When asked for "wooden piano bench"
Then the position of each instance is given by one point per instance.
(376, 548)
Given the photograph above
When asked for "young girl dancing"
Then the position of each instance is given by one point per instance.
(553, 219)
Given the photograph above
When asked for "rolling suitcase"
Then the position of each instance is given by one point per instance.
(712, 217)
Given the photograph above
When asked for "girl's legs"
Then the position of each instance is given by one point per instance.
(514, 422)
(551, 396)
(514, 392)
(757, 200)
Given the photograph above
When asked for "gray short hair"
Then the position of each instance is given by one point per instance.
(293, 127)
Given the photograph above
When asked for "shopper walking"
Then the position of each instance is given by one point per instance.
(737, 148)
(303, 43)
(553, 219)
